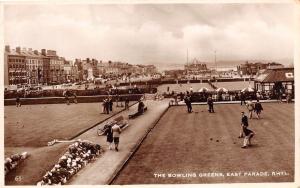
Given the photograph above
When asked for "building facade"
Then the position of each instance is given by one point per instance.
(56, 67)
(254, 68)
(195, 67)
(280, 79)
(15, 66)
(46, 67)
(34, 66)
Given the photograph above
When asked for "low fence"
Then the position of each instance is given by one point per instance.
(230, 96)
(89, 92)
(80, 99)
(184, 81)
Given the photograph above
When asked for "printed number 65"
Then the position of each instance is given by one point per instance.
(18, 178)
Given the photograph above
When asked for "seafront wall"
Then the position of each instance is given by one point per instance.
(59, 100)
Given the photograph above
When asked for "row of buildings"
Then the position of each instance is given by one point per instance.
(27, 66)
(195, 67)
(254, 68)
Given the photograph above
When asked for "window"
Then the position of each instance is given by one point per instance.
(267, 88)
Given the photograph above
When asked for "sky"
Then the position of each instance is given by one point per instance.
(153, 33)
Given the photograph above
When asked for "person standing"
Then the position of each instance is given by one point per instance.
(248, 136)
(104, 106)
(175, 98)
(188, 103)
(107, 105)
(18, 101)
(127, 103)
(110, 101)
(243, 98)
(117, 100)
(141, 107)
(116, 135)
(67, 95)
(190, 109)
(121, 101)
(75, 97)
(258, 108)
(244, 123)
(181, 96)
(109, 136)
(250, 107)
(210, 105)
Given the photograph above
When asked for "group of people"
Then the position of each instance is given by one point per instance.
(107, 105)
(188, 103)
(245, 132)
(254, 107)
(67, 94)
(113, 136)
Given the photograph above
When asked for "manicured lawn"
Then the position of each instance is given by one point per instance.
(36, 125)
(201, 142)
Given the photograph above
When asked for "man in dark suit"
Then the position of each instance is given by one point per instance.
(210, 105)
(244, 123)
(188, 102)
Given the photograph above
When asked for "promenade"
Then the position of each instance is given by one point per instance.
(105, 168)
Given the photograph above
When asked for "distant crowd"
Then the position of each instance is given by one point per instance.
(229, 96)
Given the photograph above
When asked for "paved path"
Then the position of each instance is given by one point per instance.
(105, 167)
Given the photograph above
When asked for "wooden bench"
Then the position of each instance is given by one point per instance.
(121, 122)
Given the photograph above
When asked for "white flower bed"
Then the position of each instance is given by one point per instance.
(13, 161)
(78, 155)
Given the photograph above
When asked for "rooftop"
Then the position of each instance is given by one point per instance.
(276, 75)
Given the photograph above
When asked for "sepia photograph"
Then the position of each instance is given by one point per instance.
(149, 93)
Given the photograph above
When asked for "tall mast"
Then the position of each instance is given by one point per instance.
(216, 59)
(187, 56)
(187, 60)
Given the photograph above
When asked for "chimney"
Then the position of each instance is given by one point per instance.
(18, 49)
(36, 52)
(51, 52)
(24, 49)
(7, 48)
(43, 51)
(30, 49)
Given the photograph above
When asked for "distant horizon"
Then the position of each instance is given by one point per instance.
(282, 60)
(142, 33)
